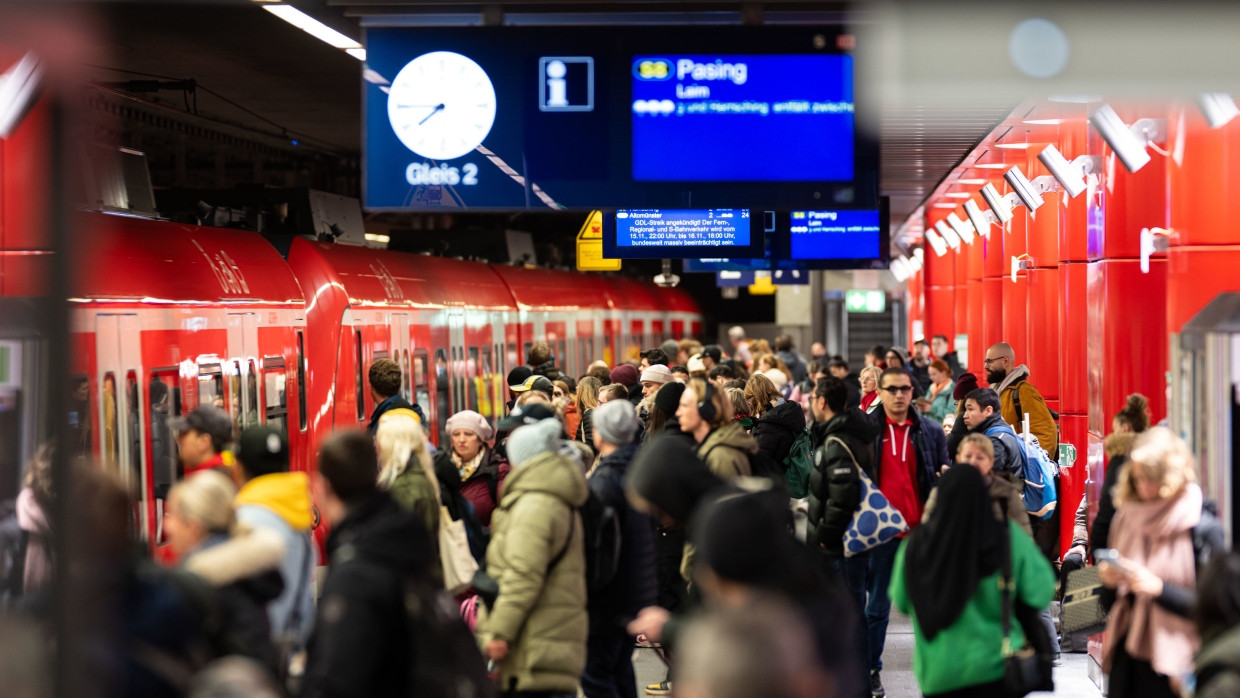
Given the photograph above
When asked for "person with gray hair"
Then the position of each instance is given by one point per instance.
(609, 670)
(740, 345)
(535, 629)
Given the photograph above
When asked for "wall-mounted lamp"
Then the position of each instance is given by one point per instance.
(953, 240)
(936, 243)
(1070, 175)
(980, 219)
(1022, 263)
(1128, 142)
(1000, 205)
(1218, 108)
(1029, 191)
(963, 228)
(1152, 240)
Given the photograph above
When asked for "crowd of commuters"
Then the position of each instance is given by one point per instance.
(647, 503)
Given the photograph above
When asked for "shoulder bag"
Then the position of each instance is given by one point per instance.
(875, 522)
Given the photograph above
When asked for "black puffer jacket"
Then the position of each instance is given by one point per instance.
(778, 428)
(834, 486)
(635, 584)
(361, 640)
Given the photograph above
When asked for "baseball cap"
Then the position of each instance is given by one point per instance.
(517, 376)
(262, 449)
(696, 364)
(207, 420)
(713, 351)
(540, 383)
(530, 413)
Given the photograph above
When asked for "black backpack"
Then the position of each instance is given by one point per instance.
(601, 524)
(445, 659)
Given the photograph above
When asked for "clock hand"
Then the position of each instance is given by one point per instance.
(438, 108)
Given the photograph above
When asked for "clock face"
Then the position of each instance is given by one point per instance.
(441, 105)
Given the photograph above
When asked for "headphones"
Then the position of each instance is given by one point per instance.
(706, 406)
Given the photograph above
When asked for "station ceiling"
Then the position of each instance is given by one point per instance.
(254, 70)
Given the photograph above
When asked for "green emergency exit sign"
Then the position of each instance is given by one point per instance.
(865, 301)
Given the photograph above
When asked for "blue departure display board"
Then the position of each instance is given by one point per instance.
(503, 118)
(742, 118)
(835, 234)
(679, 233)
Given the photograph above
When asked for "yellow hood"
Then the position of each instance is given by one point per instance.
(287, 494)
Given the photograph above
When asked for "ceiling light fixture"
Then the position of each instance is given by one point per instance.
(1029, 191)
(949, 235)
(1070, 175)
(963, 228)
(1128, 142)
(936, 243)
(1000, 205)
(980, 219)
(317, 29)
(957, 195)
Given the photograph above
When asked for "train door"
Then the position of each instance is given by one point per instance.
(242, 375)
(399, 325)
(122, 437)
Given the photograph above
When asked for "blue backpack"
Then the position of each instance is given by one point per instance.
(1038, 471)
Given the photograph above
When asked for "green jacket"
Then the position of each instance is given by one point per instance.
(942, 404)
(969, 652)
(726, 451)
(413, 492)
(1218, 666)
(541, 609)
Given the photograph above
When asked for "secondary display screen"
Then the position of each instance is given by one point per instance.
(503, 118)
(834, 234)
(738, 118)
(678, 233)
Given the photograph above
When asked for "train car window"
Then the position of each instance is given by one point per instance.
(301, 380)
(476, 388)
(421, 395)
(406, 390)
(361, 393)
(110, 441)
(525, 355)
(252, 405)
(443, 397)
(512, 360)
(80, 424)
(235, 408)
(133, 412)
(210, 385)
(379, 354)
(274, 390)
(488, 397)
(561, 354)
(160, 394)
(456, 370)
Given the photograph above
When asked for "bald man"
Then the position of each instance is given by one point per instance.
(1017, 396)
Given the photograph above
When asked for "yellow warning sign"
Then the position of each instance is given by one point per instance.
(762, 285)
(590, 246)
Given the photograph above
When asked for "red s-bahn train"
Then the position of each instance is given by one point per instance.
(220, 316)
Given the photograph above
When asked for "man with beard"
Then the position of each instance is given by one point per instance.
(1017, 396)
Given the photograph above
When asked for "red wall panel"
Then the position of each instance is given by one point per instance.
(992, 323)
(1202, 184)
(1129, 343)
(1073, 339)
(1016, 315)
(977, 314)
(1041, 350)
(940, 310)
(1195, 276)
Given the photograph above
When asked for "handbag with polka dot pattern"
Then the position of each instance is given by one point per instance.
(875, 522)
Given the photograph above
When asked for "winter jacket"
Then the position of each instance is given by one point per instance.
(245, 572)
(921, 374)
(572, 418)
(953, 364)
(1040, 421)
(1117, 446)
(281, 502)
(794, 363)
(412, 490)
(541, 608)
(834, 485)
(672, 428)
(635, 584)
(483, 488)
(393, 403)
(930, 447)
(585, 429)
(726, 451)
(778, 428)
(37, 566)
(361, 644)
(1008, 461)
(1004, 497)
(967, 653)
(1218, 666)
(548, 369)
(941, 404)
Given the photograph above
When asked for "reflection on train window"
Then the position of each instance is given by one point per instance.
(525, 355)
(487, 396)
(512, 360)
(79, 416)
(276, 399)
(405, 371)
(160, 394)
(473, 379)
(251, 395)
(421, 395)
(210, 385)
(561, 354)
(301, 380)
(235, 408)
(110, 441)
(443, 397)
(361, 393)
(133, 476)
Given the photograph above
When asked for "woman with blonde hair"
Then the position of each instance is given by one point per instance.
(587, 401)
(761, 395)
(742, 413)
(869, 388)
(777, 422)
(242, 565)
(1162, 536)
(406, 470)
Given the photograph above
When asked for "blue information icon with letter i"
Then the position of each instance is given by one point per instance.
(566, 83)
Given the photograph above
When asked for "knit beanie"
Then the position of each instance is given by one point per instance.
(468, 419)
(668, 397)
(740, 538)
(529, 442)
(615, 422)
(965, 384)
(624, 374)
(657, 373)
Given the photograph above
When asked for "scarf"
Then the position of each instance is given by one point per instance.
(1157, 535)
(1021, 371)
(937, 388)
(960, 544)
(467, 469)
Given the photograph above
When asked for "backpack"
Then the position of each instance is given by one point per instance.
(601, 523)
(798, 464)
(445, 659)
(1040, 472)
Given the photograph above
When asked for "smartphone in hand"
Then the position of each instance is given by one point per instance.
(1110, 556)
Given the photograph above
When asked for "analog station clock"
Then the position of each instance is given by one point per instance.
(441, 105)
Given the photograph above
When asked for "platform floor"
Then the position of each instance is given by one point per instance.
(1071, 679)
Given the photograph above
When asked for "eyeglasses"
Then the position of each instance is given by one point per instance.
(897, 389)
(988, 362)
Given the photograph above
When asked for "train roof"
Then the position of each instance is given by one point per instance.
(124, 258)
(544, 288)
(384, 278)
